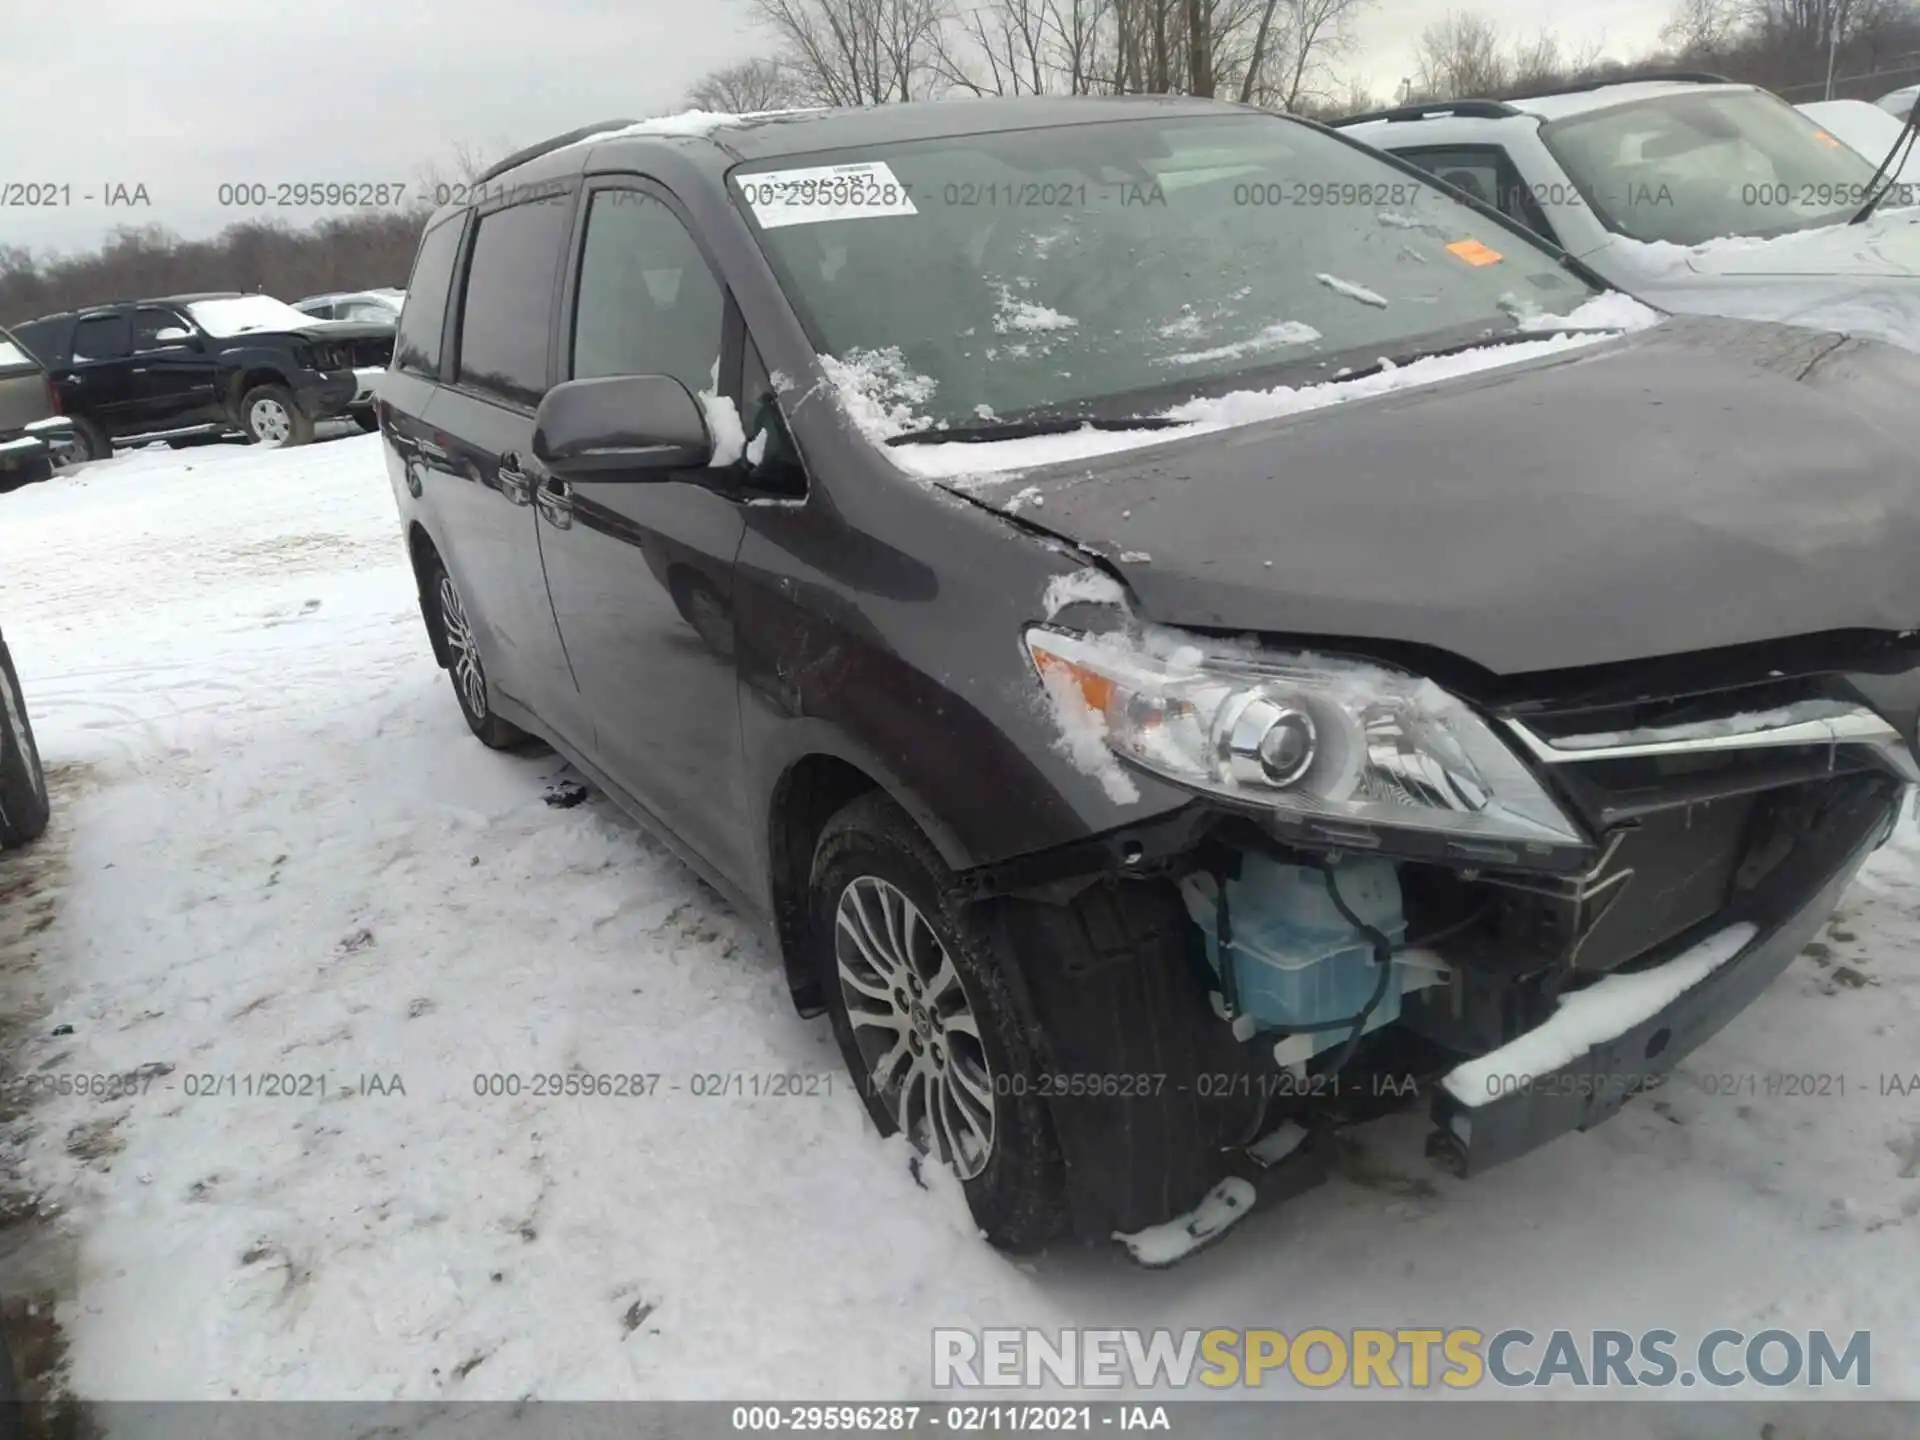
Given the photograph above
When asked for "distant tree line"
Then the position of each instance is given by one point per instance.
(1284, 54)
(1788, 46)
(357, 252)
(874, 52)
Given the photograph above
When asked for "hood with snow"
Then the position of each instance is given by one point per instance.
(1698, 484)
(1854, 279)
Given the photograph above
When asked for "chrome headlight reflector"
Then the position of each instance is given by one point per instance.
(1346, 747)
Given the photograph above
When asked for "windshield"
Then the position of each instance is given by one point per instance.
(1692, 168)
(12, 357)
(1090, 268)
(245, 314)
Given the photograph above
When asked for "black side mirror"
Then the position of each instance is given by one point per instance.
(631, 427)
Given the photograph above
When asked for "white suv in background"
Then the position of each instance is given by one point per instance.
(1695, 193)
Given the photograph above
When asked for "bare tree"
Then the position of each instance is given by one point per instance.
(1700, 26)
(857, 52)
(1536, 62)
(746, 87)
(453, 177)
(1005, 47)
(1290, 62)
(1460, 56)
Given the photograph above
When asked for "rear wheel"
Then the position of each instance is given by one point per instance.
(456, 641)
(89, 443)
(272, 418)
(24, 806)
(928, 1022)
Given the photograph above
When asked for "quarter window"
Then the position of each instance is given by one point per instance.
(417, 345)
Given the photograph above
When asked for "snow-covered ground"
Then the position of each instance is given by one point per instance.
(284, 855)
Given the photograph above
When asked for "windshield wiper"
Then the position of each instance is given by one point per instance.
(1507, 337)
(1024, 429)
(989, 430)
(1889, 167)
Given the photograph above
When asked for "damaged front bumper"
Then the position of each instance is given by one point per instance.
(1725, 829)
(1619, 1038)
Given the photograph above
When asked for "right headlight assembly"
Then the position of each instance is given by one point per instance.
(1346, 750)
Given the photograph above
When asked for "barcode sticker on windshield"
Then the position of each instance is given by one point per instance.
(825, 192)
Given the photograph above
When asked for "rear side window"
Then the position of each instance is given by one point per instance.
(417, 346)
(506, 318)
(1487, 174)
(102, 337)
(38, 338)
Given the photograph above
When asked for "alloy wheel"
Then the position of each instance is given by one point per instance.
(914, 1024)
(463, 654)
(269, 421)
(16, 732)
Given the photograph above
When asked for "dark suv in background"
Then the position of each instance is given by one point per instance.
(1168, 667)
(191, 366)
(34, 435)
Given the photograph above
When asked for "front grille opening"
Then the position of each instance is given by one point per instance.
(1668, 879)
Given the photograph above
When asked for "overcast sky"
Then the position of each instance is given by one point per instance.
(182, 96)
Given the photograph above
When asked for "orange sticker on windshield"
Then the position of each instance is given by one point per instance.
(1474, 253)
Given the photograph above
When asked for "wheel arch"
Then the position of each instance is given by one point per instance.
(425, 556)
(809, 792)
(245, 379)
(812, 786)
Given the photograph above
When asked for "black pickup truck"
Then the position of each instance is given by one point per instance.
(187, 367)
(34, 435)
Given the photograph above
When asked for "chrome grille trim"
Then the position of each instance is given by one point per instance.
(1818, 722)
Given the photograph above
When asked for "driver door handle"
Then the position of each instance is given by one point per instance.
(555, 501)
(515, 483)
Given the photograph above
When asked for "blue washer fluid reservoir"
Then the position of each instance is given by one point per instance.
(1297, 960)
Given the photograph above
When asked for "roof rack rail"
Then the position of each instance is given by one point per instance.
(1472, 109)
(534, 152)
(1630, 77)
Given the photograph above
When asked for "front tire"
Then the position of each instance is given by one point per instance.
(455, 641)
(929, 1021)
(273, 419)
(24, 806)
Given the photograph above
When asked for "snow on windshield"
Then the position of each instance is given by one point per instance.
(1353, 291)
(1274, 337)
(880, 392)
(245, 315)
(1016, 313)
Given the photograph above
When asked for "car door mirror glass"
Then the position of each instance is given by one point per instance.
(635, 427)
